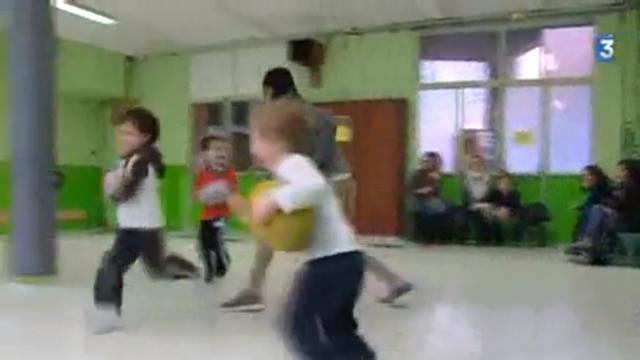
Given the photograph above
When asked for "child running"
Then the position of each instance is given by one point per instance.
(216, 182)
(134, 188)
(320, 145)
(320, 323)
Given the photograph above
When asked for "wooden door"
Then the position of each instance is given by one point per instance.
(376, 153)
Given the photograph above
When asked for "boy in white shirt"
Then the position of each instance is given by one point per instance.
(133, 186)
(320, 323)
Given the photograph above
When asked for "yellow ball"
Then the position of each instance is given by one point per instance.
(286, 232)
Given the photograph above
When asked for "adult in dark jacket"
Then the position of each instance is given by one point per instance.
(618, 213)
(432, 214)
(322, 148)
(505, 206)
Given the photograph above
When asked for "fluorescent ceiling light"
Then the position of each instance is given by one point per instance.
(82, 12)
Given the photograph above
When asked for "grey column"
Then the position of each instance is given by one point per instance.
(32, 55)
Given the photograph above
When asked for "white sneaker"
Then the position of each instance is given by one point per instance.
(105, 320)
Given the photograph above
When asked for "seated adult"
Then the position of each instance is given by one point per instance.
(429, 208)
(618, 214)
(597, 187)
(504, 206)
(477, 183)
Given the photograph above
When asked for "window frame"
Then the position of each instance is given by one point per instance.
(504, 81)
(228, 128)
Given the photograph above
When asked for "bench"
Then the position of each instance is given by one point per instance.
(61, 216)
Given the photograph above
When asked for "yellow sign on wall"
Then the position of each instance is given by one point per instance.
(344, 133)
(524, 138)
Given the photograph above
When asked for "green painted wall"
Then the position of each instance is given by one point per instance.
(162, 85)
(87, 78)
(88, 72)
(615, 89)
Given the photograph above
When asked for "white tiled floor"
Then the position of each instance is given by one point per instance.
(473, 303)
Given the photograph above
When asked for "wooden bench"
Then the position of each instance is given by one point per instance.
(61, 216)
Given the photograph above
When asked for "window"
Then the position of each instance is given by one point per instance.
(550, 53)
(229, 119)
(534, 91)
(523, 129)
(458, 57)
(444, 112)
(569, 128)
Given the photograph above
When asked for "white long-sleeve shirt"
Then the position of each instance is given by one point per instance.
(303, 187)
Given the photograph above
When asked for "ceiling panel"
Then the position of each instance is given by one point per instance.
(148, 26)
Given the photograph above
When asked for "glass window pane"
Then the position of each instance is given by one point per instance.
(475, 108)
(214, 112)
(549, 53)
(241, 153)
(523, 120)
(240, 113)
(458, 57)
(438, 113)
(433, 71)
(570, 128)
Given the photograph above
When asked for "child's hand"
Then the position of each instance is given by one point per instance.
(264, 211)
(239, 206)
(112, 180)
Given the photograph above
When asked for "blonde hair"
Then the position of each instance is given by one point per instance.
(285, 121)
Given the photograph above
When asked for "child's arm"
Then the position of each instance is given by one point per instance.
(304, 186)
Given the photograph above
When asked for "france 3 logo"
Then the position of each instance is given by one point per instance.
(605, 48)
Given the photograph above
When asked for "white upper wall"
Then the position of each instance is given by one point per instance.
(234, 72)
(152, 26)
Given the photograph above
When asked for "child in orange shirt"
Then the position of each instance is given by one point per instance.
(215, 183)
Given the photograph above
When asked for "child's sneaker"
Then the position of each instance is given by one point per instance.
(397, 292)
(105, 320)
(245, 301)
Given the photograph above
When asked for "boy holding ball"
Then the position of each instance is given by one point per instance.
(320, 323)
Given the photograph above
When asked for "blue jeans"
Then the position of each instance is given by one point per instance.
(598, 223)
(433, 206)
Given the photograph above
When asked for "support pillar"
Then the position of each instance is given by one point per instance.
(32, 71)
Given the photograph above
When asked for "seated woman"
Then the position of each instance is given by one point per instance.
(504, 206)
(619, 213)
(429, 208)
(597, 186)
(477, 184)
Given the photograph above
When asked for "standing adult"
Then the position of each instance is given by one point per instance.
(322, 148)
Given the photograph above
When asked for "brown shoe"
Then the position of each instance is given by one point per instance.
(245, 301)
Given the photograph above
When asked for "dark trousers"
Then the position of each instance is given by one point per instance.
(319, 322)
(128, 246)
(482, 228)
(213, 251)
